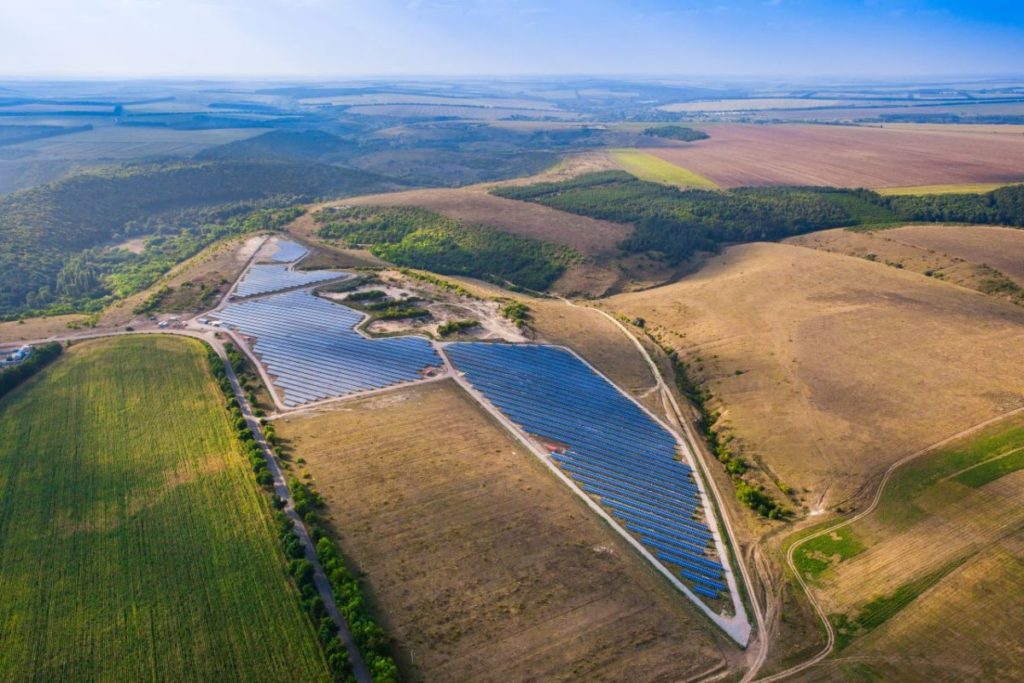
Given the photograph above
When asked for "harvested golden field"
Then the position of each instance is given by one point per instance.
(849, 156)
(919, 589)
(829, 368)
(483, 566)
(982, 258)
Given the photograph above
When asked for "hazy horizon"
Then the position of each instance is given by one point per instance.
(876, 40)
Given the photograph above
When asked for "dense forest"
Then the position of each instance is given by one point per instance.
(678, 223)
(417, 238)
(55, 239)
(672, 132)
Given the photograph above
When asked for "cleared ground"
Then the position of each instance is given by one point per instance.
(134, 543)
(849, 156)
(828, 368)
(484, 566)
(922, 589)
(953, 188)
(986, 259)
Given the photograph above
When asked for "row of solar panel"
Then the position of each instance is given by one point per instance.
(310, 347)
(285, 251)
(614, 450)
(265, 278)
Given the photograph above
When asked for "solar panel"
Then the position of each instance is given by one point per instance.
(281, 250)
(308, 345)
(265, 278)
(606, 443)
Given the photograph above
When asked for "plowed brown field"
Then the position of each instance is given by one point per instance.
(850, 156)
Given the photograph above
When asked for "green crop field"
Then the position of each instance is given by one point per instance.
(134, 542)
(649, 167)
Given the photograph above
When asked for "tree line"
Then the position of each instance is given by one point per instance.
(678, 223)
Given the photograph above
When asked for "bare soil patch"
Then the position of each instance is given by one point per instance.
(483, 566)
(850, 156)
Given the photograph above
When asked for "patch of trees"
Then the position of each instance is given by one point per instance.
(416, 238)
(299, 568)
(1003, 206)
(372, 641)
(673, 132)
(517, 312)
(752, 496)
(455, 326)
(43, 229)
(677, 223)
(41, 356)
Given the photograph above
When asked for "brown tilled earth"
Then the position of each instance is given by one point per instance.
(829, 368)
(850, 156)
(483, 566)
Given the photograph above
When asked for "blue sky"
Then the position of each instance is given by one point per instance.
(353, 38)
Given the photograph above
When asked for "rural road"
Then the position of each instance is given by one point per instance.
(830, 644)
(670, 401)
(360, 672)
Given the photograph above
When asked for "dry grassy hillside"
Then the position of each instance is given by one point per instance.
(829, 367)
(484, 566)
(987, 259)
(851, 156)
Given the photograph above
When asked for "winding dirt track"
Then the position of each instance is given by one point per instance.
(830, 644)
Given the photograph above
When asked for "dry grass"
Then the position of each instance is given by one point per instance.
(850, 156)
(829, 368)
(1000, 248)
(483, 566)
(971, 257)
(965, 628)
(957, 540)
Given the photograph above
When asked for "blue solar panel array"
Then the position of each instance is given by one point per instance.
(309, 345)
(609, 446)
(264, 278)
(287, 251)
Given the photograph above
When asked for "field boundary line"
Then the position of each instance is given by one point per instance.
(830, 645)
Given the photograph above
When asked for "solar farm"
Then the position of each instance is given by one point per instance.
(607, 445)
(617, 455)
(265, 278)
(309, 345)
(283, 251)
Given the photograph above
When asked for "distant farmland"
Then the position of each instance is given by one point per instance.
(134, 543)
(851, 156)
